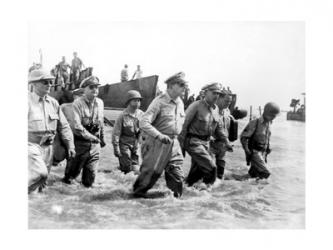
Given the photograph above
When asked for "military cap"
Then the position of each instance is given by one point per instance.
(91, 80)
(176, 78)
(215, 87)
(133, 94)
(78, 92)
(39, 74)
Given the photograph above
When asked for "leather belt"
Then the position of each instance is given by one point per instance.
(201, 137)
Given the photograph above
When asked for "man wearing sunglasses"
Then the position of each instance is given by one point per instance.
(88, 131)
(161, 123)
(201, 123)
(45, 119)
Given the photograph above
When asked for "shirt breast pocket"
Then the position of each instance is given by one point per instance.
(181, 118)
(53, 121)
(167, 111)
(128, 124)
(36, 123)
(203, 123)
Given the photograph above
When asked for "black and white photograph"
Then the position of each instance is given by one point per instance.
(177, 125)
(166, 124)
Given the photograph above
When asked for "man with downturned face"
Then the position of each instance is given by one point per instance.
(201, 123)
(218, 147)
(45, 119)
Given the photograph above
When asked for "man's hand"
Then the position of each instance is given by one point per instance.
(71, 153)
(164, 139)
(229, 147)
(96, 140)
(103, 144)
(117, 152)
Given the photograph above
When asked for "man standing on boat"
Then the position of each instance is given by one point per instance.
(62, 70)
(162, 123)
(45, 119)
(88, 133)
(124, 74)
(77, 66)
(137, 73)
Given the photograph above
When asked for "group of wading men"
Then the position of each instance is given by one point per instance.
(164, 133)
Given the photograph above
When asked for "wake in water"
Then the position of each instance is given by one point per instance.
(275, 203)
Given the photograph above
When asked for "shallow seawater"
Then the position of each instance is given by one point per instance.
(276, 203)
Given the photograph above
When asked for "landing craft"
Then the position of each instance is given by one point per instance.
(114, 95)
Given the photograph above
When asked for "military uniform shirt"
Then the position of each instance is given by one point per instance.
(124, 75)
(126, 127)
(163, 116)
(225, 118)
(68, 110)
(76, 63)
(203, 120)
(86, 112)
(261, 132)
(46, 117)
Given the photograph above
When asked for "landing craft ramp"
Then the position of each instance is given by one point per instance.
(114, 95)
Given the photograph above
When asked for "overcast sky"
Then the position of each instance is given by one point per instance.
(260, 61)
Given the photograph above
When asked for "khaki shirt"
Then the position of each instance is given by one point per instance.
(124, 75)
(76, 64)
(260, 129)
(225, 118)
(86, 112)
(46, 117)
(68, 110)
(203, 120)
(163, 116)
(126, 128)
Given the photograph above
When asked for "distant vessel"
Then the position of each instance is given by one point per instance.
(297, 114)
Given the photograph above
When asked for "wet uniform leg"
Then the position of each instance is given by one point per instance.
(125, 160)
(202, 162)
(155, 157)
(258, 166)
(39, 161)
(90, 168)
(174, 175)
(74, 166)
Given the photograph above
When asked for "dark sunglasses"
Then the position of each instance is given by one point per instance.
(47, 82)
(93, 87)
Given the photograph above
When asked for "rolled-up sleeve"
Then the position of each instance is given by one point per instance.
(101, 118)
(189, 115)
(145, 122)
(117, 130)
(220, 132)
(65, 130)
(248, 132)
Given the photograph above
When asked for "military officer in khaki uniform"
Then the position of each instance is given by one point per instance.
(45, 119)
(201, 123)
(88, 133)
(162, 123)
